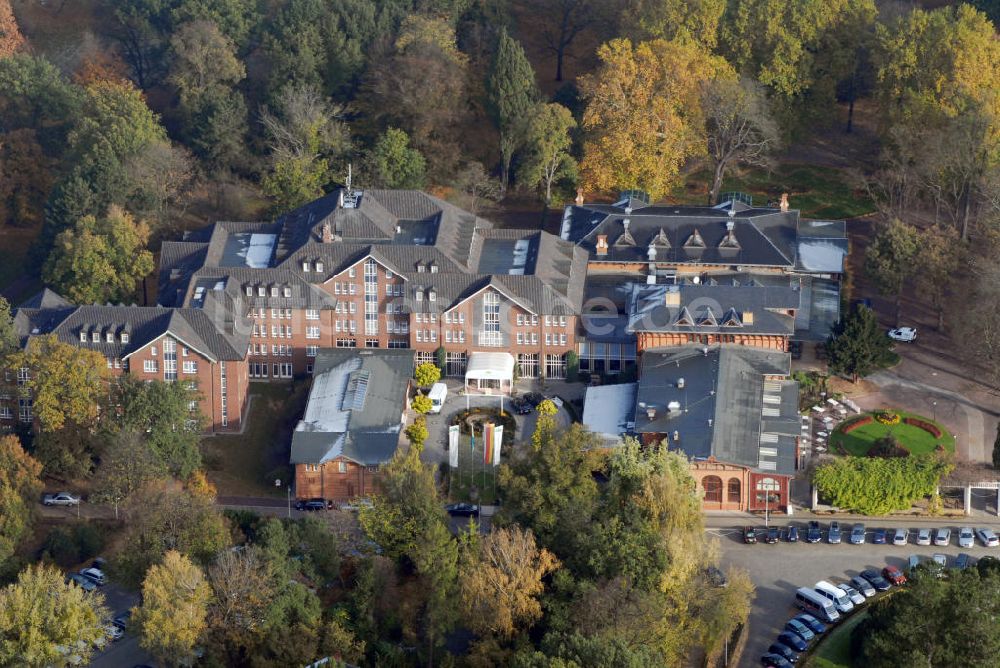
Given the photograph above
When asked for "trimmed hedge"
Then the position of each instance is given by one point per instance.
(876, 486)
(860, 422)
(929, 427)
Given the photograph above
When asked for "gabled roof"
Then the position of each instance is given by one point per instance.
(46, 299)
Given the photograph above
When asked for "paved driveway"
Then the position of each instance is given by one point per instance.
(778, 570)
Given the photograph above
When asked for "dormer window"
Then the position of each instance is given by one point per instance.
(432, 296)
(434, 268)
(305, 266)
(95, 336)
(83, 336)
(274, 291)
(421, 268)
(319, 266)
(109, 337)
(249, 291)
(261, 291)
(695, 240)
(420, 295)
(287, 291)
(124, 337)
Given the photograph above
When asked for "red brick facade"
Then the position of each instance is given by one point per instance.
(337, 480)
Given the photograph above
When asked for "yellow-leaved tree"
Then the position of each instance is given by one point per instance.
(172, 618)
(643, 119)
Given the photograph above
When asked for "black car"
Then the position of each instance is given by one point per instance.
(772, 660)
(749, 535)
(878, 536)
(522, 406)
(773, 533)
(533, 398)
(793, 534)
(784, 651)
(814, 534)
(876, 580)
(793, 640)
(310, 505)
(814, 624)
(462, 509)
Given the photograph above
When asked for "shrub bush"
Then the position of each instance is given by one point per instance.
(68, 546)
(929, 427)
(876, 486)
(887, 417)
(860, 422)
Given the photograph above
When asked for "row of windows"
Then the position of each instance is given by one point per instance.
(341, 467)
(456, 337)
(261, 369)
(285, 291)
(346, 307)
(278, 313)
(276, 351)
(95, 336)
(429, 335)
(152, 366)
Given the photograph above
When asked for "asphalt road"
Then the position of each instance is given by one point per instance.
(126, 652)
(778, 570)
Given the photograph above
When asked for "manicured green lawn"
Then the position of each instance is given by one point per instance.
(834, 651)
(914, 439)
(818, 192)
(246, 464)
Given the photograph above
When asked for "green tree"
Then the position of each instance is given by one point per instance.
(512, 95)
(437, 560)
(407, 506)
(548, 142)
(100, 260)
(20, 485)
(426, 374)
(163, 518)
(237, 19)
(127, 464)
(671, 19)
(35, 95)
(421, 404)
(876, 486)
(172, 616)
(162, 413)
(891, 258)
(66, 383)
(858, 346)
(643, 119)
(41, 616)
(393, 163)
(9, 339)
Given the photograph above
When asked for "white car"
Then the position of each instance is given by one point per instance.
(900, 536)
(924, 537)
(987, 537)
(942, 537)
(904, 334)
(966, 538)
(61, 499)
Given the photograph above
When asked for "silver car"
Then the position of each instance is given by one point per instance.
(966, 538)
(924, 537)
(863, 586)
(856, 597)
(942, 537)
(987, 537)
(900, 536)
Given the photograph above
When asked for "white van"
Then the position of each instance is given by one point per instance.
(816, 605)
(437, 395)
(836, 595)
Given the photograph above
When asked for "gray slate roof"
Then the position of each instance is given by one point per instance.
(355, 406)
(713, 309)
(725, 408)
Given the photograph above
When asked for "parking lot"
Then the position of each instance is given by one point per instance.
(778, 570)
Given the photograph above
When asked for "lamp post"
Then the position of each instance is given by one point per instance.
(934, 407)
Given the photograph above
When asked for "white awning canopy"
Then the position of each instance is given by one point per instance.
(490, 366)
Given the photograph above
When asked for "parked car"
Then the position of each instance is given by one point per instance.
(122, 619)
(966, 538)
(784, 651)
(81, 581)
(61, 499)
(800, 629)
(941, 559)
(914, 561)
(716, 577)
(814, 534)
(857, 534)
(772, 535)
(793, 640)
(533, 398)
(863, 586)
(904, 334)
(857, 598)
(987, 537)
(310, 505)
(792, 535)
(771, 660)
(875, 580)
(964, 560)
(95, 574)
(894, 575)
(900, 536)
(749, 535)
(942, 537)
(924, 537)
(462, 509)
(878, 536)
(354, 505)
(833, 534)
(114, 633)
(522, 406)
(814, 624)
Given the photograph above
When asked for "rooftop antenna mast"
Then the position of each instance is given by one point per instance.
(348, 176)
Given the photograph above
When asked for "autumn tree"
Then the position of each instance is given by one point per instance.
(172, 617)
(476, 185)
(100, 260)
(41, 615)
(548, 144)
(502, 583)
(421, 404)
(66, 383)
(890, 258)
(304, 134)
(426, 374)
(941, 253)
(20, 485)
(393, 163)
(9, 339)
(128, 464)
(512, 95)
(162, 176)
(243, 587)
(671, 19)
(25, 178)
(740, 129)
(643, 118)
(11, 39)
(163, 518)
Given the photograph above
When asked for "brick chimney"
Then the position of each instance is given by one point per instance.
(784, 202)
(579, 197)
(602, 244)
(327, 233)
(747, 317)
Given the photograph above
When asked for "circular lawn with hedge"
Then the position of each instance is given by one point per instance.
(915, 433)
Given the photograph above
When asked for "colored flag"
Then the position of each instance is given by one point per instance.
(453, 446)
(473, 432)
(497, 442)
(487, 443)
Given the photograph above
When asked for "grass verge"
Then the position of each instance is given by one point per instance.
(834, 651)
(914, 439)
